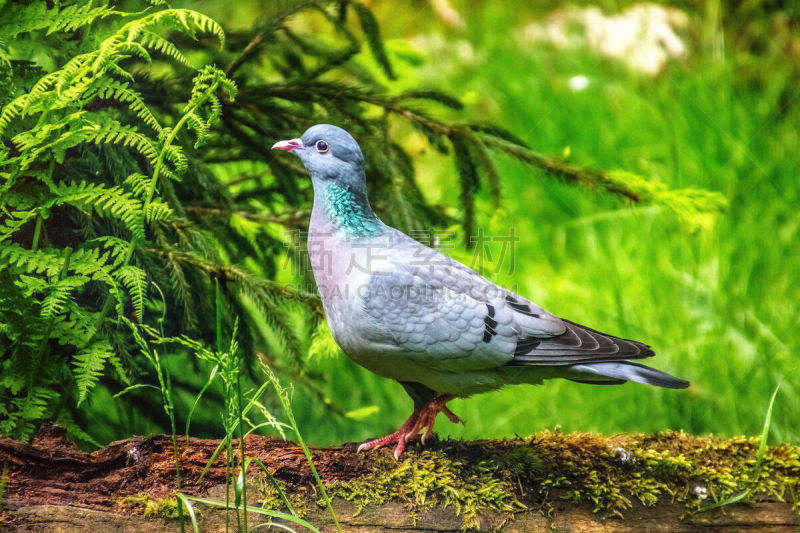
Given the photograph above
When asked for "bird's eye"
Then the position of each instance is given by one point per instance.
(321, 146)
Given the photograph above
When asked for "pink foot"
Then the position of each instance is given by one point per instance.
(424, 418)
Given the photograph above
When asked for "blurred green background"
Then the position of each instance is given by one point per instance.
(692, 94)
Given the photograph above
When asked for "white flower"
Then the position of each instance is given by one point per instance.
(644, 36)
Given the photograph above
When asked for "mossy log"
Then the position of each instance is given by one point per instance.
(550, 481)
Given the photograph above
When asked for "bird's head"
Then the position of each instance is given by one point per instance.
(330, 155)
(336, 165)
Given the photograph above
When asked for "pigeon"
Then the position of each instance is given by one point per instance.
(410, 313)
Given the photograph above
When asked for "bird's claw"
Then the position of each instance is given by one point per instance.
(398, 450)
(419, 420)
(426, 434)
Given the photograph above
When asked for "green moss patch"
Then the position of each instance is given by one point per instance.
(166, 507)
(610, 474)
(429, 477)
(271, 496)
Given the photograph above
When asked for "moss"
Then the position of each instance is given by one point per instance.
(271, 496)
(612, 473)
(609, 474)
(3, 483)
(429, 477)
(166, 507)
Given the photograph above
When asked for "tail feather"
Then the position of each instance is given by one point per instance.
(619, 371)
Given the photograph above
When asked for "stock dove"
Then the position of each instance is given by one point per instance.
(411, 313)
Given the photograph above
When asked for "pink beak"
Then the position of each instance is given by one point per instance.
(290, 145)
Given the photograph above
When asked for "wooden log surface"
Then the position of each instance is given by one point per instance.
(549, 482)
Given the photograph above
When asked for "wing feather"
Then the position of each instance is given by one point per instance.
(447, 317)
(578, 344)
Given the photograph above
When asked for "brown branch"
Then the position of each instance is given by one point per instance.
(53, 486)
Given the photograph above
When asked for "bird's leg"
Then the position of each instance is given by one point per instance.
(451, 415)
(427, 415)
(419, 419)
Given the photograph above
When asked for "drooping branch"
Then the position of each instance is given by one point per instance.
(236, 274)
(291, 220)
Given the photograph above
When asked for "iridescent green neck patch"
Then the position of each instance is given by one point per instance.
(348, 214)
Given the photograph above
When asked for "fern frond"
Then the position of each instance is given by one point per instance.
(194, 122)
(88, 366)
(76, 68)
(177, 159)
(59, 293)
(91, 263)
(111, 131)
(14, 222)
(16, 20)
(110, 201)
(23, 414)
(48, 261)
(183, 20)
(134, 279)
(157, 211)
(78, 128)
(30, 285)
(115, 247)
(156, 42)
(75, 325)
(12, 109)
(138, 184)
(112, 89)
(77, 16)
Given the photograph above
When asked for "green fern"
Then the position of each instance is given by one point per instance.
(38, 16)
(134, 279)
(59, 293)
(106, 201)
(89, 364)
(46, 261)
(109, 222)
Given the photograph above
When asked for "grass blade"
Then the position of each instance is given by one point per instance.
(128, 389)
(197, 398)
(287, 408)
(243, 488)
(258, 510)
(274, 482)
(762, 450)
(273, 524)
(185, 501)
(224, 442)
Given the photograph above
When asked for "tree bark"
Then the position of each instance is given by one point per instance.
(52, 486)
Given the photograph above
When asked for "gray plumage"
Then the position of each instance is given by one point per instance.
(413, 314)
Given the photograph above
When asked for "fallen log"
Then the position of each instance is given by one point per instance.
(566, 482)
